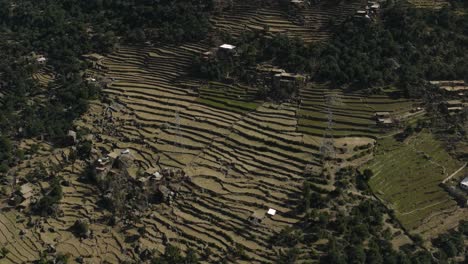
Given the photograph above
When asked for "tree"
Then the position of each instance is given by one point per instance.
(81, 228)
(84, 149)
(290, 256)
(47, 205)
(3, 252)
(356, 254)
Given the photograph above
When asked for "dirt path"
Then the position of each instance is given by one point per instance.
(455, 173)
(419, 209)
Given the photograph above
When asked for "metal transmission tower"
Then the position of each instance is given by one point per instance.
(327, 148)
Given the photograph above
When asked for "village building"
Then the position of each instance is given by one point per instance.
(41, 59)
(264, 74)
(71, 137)
(220, 5)
(460, 194)
(95, 60)
(271, 211)
(90, 79)
(459, 87)
(298, 3)
(383, 118)
(454, 106)
(288, 81)
(153, 174)
(257, 217)
(165, 193)
(208, 55)
(373, 6)
(362, 14)
(36, 58)
(26, 192)
(93, 57)
(464, 184)
(227, 50)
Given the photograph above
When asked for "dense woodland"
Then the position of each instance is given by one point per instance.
(404, 47)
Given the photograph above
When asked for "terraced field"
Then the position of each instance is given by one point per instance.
(242, 156)
(407, 178)
(353, 113)
(27, 236)
(313, 27)
(239, 161)
(430, 4)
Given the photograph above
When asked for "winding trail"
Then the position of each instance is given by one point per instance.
(455, 173)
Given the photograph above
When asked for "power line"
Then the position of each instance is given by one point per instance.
(327, 148)
(178, 136)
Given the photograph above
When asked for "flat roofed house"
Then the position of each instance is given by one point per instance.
(41, 59)
(226, 50)
(360, 14)
(271, 211)
(153, 174)
(257, 217)
(289, 80)
(207, 55)
(454, 106)
(383, 118)
(382, 114)
(26, 192)
(297, 3)
(93, 57)
(288, 83)
(227, 47)
(73, 136)
(96, 60)
(453, 103)
(458, 88)
(375, 6)
(455, 86)
(464, 183)
(448, 83)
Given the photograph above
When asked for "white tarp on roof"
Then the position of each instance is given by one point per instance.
(227, 46)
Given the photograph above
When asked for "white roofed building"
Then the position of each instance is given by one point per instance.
(227, 47)
(464, 183)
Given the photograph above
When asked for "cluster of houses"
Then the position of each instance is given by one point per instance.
(370, 11)
(266, 75)
(24, 195)
(457, 90)
(224, 51)
(95, 60)
(163, 183)
(455, 106)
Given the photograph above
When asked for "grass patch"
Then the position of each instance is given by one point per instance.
(407, 176)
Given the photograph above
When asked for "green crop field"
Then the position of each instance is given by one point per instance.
(407, 177)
